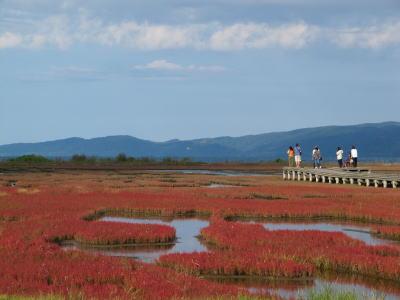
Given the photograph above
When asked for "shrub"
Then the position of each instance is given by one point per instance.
(121, 157)
(31, 158)
(79, 158)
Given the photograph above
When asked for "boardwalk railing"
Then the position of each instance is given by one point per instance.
(358, 176)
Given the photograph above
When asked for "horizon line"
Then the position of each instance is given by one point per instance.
(203, 138)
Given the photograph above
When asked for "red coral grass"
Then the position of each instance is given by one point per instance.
(325, 250)
(237, 263)
(388, 232)
(110, 233)
(31, 264)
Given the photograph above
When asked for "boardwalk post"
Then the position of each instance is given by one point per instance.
(357, 176)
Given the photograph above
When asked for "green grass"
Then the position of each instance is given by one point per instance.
(239, 297)
(31, 158)
(328, 293)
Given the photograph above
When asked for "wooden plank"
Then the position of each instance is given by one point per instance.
(358, 176)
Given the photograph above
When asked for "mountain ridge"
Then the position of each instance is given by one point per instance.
(376, 141)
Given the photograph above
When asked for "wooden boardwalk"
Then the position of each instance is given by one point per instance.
(358, 176)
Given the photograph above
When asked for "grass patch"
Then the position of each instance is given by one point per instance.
(168, 180)
(312, 196)
(328, 293)
(267, 197)
(146, 213)
(238, 297)
(28, 191)
(39, 297)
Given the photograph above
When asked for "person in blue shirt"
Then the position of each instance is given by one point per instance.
(297, 155)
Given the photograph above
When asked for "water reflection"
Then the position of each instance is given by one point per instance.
(220, 185)
(355, 231)
(361, 291)
(301, 288)
(187, 231)
(360, 233)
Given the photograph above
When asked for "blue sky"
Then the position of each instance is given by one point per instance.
(186, 69)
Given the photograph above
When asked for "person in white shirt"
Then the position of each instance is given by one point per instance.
(354, 156)
(339, 156)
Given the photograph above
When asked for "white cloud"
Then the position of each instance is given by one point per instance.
(374, 37)
(10, 40)
(55, 30)
(207, 36)
(149, 36)
(164, 65)
(258, 36)
(161, 64)
(61, 31)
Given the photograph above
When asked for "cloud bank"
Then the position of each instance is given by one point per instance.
(62, 32)
(164, 65)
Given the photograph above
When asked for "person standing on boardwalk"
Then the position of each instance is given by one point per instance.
(354, 156)
(297, 155)
(313, 155)
(316, 156)
(349, 161)
(339, 156)
(290, 154)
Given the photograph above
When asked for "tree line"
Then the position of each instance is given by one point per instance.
(120, 158)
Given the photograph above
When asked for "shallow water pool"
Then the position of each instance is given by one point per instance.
(187, 231)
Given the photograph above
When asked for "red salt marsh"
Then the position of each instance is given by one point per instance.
(45, 209)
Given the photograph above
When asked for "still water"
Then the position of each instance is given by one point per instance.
(187, 231)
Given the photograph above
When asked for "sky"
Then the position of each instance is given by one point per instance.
(166, 69)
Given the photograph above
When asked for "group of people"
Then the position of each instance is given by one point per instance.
(351, 160)
(295, 153)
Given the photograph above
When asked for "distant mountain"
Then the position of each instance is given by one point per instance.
(378, 141)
